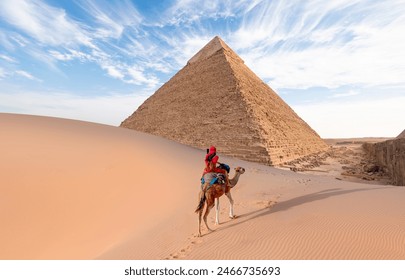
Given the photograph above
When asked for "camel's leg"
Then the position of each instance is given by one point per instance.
(207, 211)
(231, 215)
(217, 211)
(199, 221)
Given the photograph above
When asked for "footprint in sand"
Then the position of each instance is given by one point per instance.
(193, 241)
(270, 204)
(266, 204)
(304, 181)
(262, 199)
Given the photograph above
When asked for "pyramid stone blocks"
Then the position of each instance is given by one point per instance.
(217, 100)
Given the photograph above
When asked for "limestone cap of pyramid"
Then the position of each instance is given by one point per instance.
(216, 44)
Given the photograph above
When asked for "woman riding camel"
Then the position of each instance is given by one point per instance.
(211, 160)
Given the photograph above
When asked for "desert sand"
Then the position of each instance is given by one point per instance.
(77, 190)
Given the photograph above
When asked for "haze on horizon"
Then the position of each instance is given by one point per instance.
(339, 64)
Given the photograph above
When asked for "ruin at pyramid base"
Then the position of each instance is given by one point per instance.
(217, 100)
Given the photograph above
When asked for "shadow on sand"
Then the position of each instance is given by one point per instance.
(294, 202)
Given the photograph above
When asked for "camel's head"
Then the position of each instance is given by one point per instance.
(240, 170)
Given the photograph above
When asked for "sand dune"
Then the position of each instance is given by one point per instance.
(77, 190)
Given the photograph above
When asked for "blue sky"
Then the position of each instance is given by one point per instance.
(339, 64)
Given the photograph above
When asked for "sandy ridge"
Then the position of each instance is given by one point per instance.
(77, 190)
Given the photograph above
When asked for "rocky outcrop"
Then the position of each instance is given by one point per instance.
(389, 155)
(217, 100)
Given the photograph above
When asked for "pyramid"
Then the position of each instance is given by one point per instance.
(217, 100)
(401, 135)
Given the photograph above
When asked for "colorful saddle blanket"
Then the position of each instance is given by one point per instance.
(213, 178)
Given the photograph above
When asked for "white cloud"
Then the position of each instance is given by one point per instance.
(188, 11)
(160, 66)
(301, 46)
(70, 55)
(25, 75)
(113, 72)
(110, 109)
(361, 118)
(45, 23)
(111, 17)
(7, 58)
(345, 94)
(129, 74)
(19, 40)
(2, 73)
(269, 22)
(61, 38)
(138, 77)
(4, 40)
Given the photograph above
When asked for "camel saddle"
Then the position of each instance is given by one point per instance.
(213, 178)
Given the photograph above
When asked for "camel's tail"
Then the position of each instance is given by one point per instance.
(201, 203)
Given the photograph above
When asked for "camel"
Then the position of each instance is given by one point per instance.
(212, 196)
